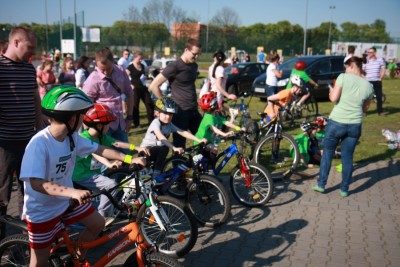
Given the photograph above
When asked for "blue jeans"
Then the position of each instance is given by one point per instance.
(270, 90)
(348, 135)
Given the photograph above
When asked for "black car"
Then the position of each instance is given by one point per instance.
(240, 76)
(322, 69)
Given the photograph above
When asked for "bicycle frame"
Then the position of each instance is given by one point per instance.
(133, 236)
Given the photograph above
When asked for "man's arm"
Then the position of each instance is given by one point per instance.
(155, 85)
(383, 70)
(38, 117)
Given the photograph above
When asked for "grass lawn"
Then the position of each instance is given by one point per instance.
(371, 146)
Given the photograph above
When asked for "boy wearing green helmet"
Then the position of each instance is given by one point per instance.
(47, 168)
(156, 138)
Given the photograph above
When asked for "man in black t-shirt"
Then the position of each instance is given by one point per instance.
(182, 75)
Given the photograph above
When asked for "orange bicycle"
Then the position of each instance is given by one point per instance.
(15, 250)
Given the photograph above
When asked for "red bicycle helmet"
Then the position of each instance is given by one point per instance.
(208, 102)
(300, 65)
(99, 113)
(321, 121)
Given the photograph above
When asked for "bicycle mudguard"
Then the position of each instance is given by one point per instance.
(14, 222)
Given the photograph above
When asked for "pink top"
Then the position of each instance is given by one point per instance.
(47, 78)
(102, 92)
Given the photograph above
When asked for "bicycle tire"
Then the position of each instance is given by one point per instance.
(15, 251)
(182, 229)
(153, 259)
(259, 192)
(282, 163)
(178, 188)
(208, 201)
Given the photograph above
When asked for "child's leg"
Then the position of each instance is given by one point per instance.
(39, 257)
(158, 154)
(94, 225)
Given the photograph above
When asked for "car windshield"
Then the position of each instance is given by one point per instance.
(289, 65)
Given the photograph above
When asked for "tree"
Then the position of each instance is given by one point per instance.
(226, 17)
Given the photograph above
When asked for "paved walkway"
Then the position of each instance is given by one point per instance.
(300, 227)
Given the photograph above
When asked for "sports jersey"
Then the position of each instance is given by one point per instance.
(51, 160)
(88, 166)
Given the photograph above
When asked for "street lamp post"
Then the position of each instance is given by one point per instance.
(208, 22)
(331, 8)
(305, 30)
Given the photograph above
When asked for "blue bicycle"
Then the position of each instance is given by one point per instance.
(205, 196)
(250, 182)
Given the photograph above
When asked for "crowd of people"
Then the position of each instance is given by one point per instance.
(43, 110)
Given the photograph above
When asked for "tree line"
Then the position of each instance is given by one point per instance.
(150, 30)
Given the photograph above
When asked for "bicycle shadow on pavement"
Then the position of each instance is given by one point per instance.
(242, 246)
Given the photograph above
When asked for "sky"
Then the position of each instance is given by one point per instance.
(106, 12)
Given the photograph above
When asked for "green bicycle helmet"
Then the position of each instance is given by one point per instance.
(166, 104)
(62, 103)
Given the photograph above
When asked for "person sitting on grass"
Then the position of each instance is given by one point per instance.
(156, 138)
(46, 171)
(310, 152)
(88, 169)
(282, 98)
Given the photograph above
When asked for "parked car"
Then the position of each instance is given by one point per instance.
(158, 64)
(322, 69)
(240, 76)
(147, 63)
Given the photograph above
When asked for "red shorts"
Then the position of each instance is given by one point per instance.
(42, 235)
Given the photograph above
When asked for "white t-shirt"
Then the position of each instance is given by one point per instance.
(51, 160)
(272, 80)
(219, 73)
(123, 62)
(80, 77)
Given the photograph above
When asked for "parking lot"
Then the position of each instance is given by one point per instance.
(300, 227)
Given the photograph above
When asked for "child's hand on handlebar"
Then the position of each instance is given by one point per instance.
(143, 150)
(232, 97)
(82, 196)
(204, 140)
(178, 150)
(116, 164)
(140, 161)
(230, 133)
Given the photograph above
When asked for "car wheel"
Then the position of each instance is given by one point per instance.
(232, 89)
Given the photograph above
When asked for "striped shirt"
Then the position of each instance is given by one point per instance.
(17, 100)
(373, 69)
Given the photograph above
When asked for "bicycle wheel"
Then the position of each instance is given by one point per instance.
(178, 188)
(279, 155)
(15, 251)
(153, 259)
(181, 227)
(208, 201)
(258, 192)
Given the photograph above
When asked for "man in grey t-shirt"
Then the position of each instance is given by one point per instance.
(182, 75)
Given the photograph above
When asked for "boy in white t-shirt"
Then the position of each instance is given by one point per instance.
(46, 171)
